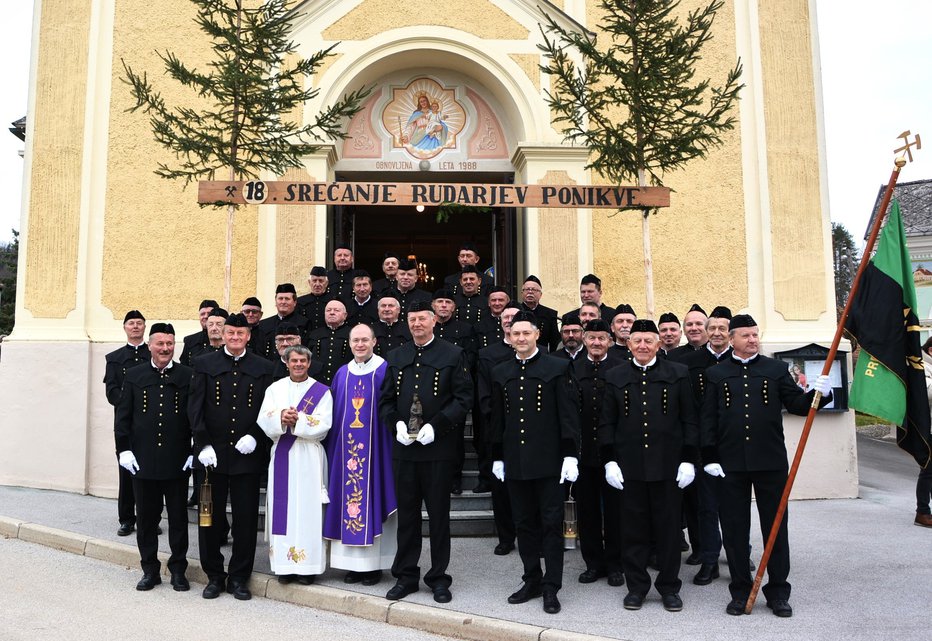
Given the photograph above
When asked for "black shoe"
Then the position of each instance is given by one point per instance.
(591, 576)
(352, 577)
(180, 582)
(551, 602)
(503, 548)
(457, 487)
(633, 601)
(616, 578)
(213, 589)
(781, 607)
(482, 487)
(239, 590)
(527, 592)
(148, 581)
(306, 579)
(126, 529)
(442, 594)
(684, 546)
(736, 607)
(707, 573)
(672, 602)
(692, 559)
(371, 578)
(285, 579)
(158, 529)
(400, 591)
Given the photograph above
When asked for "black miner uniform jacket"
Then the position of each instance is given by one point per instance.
(223, 406)
(119, 362)
(388, 337)
(269, 326)
(535, 421)
(649, 424)
(191, 341)
(589, 381)
(152, 420)
(698, 361)
(312, 306)
(462, 335)
(549, 327)
(742, 422)
(330, 348)
(439, 373)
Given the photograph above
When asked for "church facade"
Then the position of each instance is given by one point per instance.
(457, 97)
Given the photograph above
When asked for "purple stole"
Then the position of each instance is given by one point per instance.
(280, 496)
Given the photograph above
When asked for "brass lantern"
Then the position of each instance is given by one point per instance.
(569, 521)
(205, 508)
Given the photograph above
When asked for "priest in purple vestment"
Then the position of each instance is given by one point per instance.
(360, 520)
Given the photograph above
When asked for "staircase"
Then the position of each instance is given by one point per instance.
(470, 514)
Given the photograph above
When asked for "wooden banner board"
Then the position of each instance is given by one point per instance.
(431, 194)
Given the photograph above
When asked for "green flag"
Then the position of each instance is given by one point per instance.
(889, 381)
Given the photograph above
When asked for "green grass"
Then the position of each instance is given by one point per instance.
(860, 420)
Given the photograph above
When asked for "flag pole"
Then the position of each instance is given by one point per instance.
(899, 163)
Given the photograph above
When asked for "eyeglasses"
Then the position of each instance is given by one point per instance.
(530, 289)
(252, 311)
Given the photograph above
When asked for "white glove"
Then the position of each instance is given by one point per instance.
(498, 470)
(208, 457)
(714, 469)
(188, 464)
(246, 445)
(401, 433)
(613, 475)
(823, 385)
(426, 435)
(128, 462)
(685, 475)
(570, 470)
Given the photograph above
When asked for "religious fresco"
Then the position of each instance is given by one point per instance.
(423, 118)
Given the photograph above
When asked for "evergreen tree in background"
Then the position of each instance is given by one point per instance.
(630, 93)
(9, 255)
(845, 258)
(250, 91)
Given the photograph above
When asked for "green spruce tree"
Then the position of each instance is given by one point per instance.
(630, 93)
(9, 256)
(249, 90)
(845, 258)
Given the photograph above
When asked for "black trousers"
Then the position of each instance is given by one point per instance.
(126, 500)
(598, 507)
(501, 512)
(537, 505)
(691, 516)
(428, 482)
(924, 490)
(150, 495)
(710, 538)
(651, 512)
(734, 510)
(243, 490)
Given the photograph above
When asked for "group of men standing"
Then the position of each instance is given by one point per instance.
(351, 400)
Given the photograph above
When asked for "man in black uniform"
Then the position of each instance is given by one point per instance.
(648, 438)
(200, 337)
(598, 503)
(571, 332)
(489, 330)
(467, 257)
(488, 358)
(670, 333)
(362, 306)
(286, 303)
(390, 270)
(341, 276)
(390, 331)
(252, 310)
(535, 444)
(214, 328)
(226, 392)
(471, 302)
(153, 437)
(405, 290)
(119, 362)
(621, 329)
(700, 500)
(461, 334)
(312, 305)
(742, 443)
(330, 344)
(531, 293)
(437, 373)
(694, 329)
(590, 291)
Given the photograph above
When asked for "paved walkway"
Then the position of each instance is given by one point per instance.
(861, 570)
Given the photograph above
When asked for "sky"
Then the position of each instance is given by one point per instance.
(876, 81)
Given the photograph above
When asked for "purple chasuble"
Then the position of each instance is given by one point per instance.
(362, 491)
(280, 491)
